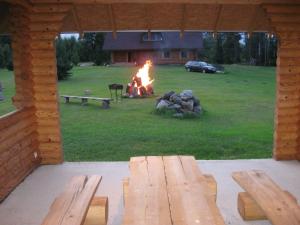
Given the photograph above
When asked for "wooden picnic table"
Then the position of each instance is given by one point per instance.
(169, 190)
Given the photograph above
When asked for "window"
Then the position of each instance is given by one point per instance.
(183, 54)
(155, 36)
(166, 54)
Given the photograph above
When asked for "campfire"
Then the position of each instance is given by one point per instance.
(141, 84)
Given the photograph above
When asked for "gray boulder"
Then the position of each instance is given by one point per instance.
(186, 94)
(189, 105)
(168, 95)
(175, 98)
(163, 104)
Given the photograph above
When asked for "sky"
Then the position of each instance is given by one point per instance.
(69, 35)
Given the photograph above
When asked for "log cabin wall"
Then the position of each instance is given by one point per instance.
(18, 148)
(285, 21)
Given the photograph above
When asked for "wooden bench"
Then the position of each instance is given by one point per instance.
(77, 205)
(169, 190)
(264, 199)
(84, 100)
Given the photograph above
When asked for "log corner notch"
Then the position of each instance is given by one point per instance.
(285, 22)
(33, 31)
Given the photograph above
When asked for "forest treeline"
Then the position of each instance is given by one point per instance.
(223, 48)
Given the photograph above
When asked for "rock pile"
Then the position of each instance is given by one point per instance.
(181, 104)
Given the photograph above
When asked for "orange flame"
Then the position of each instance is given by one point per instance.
(143, 74)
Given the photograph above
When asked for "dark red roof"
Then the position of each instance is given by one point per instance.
(171, 40)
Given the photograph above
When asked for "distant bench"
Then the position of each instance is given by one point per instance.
(84, 100)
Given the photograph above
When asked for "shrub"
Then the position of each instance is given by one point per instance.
(64, 63)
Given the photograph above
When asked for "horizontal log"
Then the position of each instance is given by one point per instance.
(8, 143)
(275, 17)
(45, 26)
(289, 69)
(45, 130)
(10, 131)
(289, 53)
(42, 61)
(286, 145)
(52, 160)
(288, 61)
(288, 110)
(46, 114)
(42, 44)
(45, 98)
(47, 17)
(289, 35)
(287, 119)
(44, 35)
(17, 147)
(44, 80)
(51, 8)
(290, 9)
(281, 156)
(46, 106)
(49, 138)
(14, 117)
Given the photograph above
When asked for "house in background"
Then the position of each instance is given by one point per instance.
(159, 47)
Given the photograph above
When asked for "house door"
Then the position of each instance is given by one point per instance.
(131, 57)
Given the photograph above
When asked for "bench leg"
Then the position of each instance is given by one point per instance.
(105, 104)
(125, 189)
(212, 185)
(250, 210)
(84, 101)
(98, 212)
(67, 99)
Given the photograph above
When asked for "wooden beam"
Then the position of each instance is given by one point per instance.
(217, 20)
(112, 20)
(183, 19)
(239, 2)
(24, 3)
(253, 19)
(76, 20)
(147, 20)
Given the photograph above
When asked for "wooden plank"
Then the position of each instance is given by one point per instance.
(71, 207)
(210, 180)
(147, 202)
(248, 208)
(98, 211)
(277, 206)
(189, 197)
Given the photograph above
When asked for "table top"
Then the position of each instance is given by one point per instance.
(169, 190)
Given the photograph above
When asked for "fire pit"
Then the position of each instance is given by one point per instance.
(141, 84)
(180, 105)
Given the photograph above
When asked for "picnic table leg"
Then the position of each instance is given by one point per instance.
(105, 104)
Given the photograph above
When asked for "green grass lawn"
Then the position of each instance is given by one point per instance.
(237, 123)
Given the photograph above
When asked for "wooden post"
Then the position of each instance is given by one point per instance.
(34, 59)
(287, 113)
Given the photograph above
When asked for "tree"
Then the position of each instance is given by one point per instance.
(64, 63)
(91, 49)
(232, 48)
(6, 53)
(218, 57)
